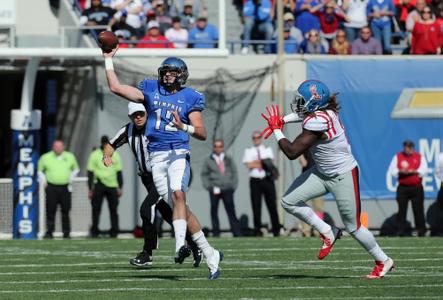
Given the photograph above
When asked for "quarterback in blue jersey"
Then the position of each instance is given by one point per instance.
(174, 114)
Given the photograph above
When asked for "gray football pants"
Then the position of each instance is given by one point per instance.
(312, 184)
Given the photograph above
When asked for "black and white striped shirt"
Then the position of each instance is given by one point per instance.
(138, 143)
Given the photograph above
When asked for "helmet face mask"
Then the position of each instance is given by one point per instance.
(298, 105)
(177, 68)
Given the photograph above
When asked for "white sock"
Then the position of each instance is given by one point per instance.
(201, 241)
(367, 240)
(305, 213)
(180, 233)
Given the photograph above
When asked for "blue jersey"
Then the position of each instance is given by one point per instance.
(161, 132)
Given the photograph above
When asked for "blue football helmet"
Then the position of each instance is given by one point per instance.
(173, 64)
(311, 95)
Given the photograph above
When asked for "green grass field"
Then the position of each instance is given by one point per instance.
(272, 268)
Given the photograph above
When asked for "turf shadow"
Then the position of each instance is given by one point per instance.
(303, 276)
(154, 276)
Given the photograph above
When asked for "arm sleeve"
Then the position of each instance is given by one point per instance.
(199, 103)
(90, 180)
(120, 138)
(423, 168)
(393, 169)
(292, 118)
(120, 179)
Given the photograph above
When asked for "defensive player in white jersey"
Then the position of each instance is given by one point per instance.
(335, 170)
(174, 114)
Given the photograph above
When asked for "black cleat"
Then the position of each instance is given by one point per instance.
(143, 259)
(48, 236)
(197, 254)
(182, 253)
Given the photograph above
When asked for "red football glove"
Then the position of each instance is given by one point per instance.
(275, 120)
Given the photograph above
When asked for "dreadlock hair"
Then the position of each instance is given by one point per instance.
(332, 105)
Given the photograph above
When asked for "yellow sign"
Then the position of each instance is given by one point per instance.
(427, 99)
(419, 103)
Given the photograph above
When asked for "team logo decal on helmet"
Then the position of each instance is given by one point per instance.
(310, 96)
(313, 90)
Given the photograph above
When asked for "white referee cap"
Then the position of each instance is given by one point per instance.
(135, 107)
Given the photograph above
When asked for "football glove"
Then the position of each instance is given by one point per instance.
(275, 120)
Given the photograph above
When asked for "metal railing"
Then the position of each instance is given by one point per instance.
(71, 36)
(9, 32)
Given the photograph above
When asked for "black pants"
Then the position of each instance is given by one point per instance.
(440, 197)
(147, 213)
(417, 197)
(101, 191)
(228, 200)
(58, 194)
(265, 187)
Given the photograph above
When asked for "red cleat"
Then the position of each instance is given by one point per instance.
(328, 244)
(380, 269)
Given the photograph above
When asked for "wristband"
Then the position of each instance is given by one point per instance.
(109, 65)
(188, 128)
(279, 135)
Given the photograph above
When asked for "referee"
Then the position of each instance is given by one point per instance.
(56, 170)
(133, 134)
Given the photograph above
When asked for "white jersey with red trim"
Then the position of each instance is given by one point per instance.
(332, 155)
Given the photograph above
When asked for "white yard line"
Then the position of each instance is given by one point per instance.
(171, 289)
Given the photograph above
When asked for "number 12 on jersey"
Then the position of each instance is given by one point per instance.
(168, 116)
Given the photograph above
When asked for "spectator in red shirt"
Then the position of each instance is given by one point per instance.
(340, 44)
(440, 21)
(153, 35)
(403, 7)
(330, 16)
(426, 35)
(409, 167)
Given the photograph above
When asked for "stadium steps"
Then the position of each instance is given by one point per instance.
(234, 28)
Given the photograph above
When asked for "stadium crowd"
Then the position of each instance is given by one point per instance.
(153, 24)
(310, 26)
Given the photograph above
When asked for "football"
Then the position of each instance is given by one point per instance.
(107, 41)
